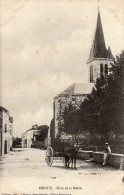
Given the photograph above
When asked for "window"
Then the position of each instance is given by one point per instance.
(106, 70)
(5, 128)
(91, 73)
(101, 71)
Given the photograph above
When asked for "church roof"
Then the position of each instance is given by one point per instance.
(78, 89)
(98, 49)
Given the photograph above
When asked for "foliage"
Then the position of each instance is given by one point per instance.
(115, 89)
(102, 111)
(43, 132)
(71, 120)
(17, 142)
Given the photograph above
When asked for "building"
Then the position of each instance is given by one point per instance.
(31, 138)
(73, 95)
(100, 58)
(6, 130)
(99, 61)
(24, 140)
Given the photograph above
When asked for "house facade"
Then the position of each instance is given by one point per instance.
(6, 130)
(31, 136)
(24, 140)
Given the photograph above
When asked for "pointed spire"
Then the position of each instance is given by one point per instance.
(98, 49)
(110, 56)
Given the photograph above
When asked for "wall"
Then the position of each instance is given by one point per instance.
(85, 155)
(29, 138)
(114, 160)
(60, 102)
(96, 67)
(6, 128)
(24, 140)
(6, 134)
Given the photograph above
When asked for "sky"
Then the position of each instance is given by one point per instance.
(44, 47)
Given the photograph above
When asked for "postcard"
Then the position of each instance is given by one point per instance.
(61, 97)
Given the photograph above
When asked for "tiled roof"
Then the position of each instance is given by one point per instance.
(78, 88)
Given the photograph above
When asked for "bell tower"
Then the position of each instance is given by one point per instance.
(100, 58)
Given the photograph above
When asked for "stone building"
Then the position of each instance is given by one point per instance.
(73, 95)
(30, 136)
(98, 64)
(100, 58)
(6, 130)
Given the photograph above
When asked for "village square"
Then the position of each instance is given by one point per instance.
(81, 149)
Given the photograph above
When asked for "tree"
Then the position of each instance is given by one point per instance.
(115, 90)
(43, 132)
(102, 112)
(91, 111)
(17, 142)
(70, 119)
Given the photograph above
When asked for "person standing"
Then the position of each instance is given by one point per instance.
(107, 151)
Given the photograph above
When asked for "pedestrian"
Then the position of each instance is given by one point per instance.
(107, 151)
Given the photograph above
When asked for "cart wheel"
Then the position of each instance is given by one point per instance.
(49, 156)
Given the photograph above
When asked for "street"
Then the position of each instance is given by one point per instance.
(25, 171)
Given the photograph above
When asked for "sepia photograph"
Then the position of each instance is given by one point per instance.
(61, 97)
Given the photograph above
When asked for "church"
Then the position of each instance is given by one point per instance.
(99, 61)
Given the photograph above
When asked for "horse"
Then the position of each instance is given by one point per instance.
(66, 155)
(70, 155)
(73, 155)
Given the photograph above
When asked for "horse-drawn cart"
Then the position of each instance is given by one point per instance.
(62, 151)
(52, 155)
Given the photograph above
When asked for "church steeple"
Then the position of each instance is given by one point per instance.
(98, 49)
(100, 58)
